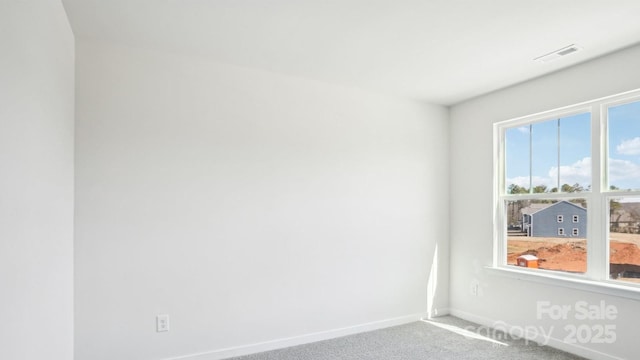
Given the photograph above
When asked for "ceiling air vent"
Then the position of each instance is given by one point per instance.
(555, 55)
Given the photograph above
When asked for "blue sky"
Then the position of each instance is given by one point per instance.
(624, 145)
(575, 152)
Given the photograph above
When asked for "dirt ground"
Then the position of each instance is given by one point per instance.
(571, 254)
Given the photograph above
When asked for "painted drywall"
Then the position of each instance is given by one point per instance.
(257, 210)
(36, 181)
(502, 299)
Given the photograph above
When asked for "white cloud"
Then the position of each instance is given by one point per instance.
(523, 181)
(524, 129)
(629, 147)
(576, 173)
(622, 170)
(622, 173)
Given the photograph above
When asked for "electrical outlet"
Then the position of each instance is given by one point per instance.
(162, 323)
(475, 288)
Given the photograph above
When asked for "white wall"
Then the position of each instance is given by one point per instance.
(36, 181)
(249, 206)
(505, 299)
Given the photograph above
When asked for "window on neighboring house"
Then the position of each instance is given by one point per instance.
(585, 160)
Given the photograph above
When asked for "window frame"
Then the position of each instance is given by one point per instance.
(598, 198)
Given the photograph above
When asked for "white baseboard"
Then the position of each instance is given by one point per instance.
(438, 312)
(551, 342)
(302, 339)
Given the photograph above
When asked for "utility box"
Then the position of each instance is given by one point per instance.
(527, 260)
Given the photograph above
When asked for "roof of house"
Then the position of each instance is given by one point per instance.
(537, 207)
(628, 212)
(533, 208)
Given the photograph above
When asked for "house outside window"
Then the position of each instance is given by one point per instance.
(574, 162)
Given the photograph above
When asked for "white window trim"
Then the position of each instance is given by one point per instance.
(560, 219)
(576, 219)
(571, 281)
(596, 279)
(575, 232)
(560, 231)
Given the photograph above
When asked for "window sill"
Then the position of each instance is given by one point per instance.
(610, 288)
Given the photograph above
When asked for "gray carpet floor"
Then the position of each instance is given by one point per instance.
(418, 341)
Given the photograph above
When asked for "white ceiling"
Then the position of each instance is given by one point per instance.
(441, 51)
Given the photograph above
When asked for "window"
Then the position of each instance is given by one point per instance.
(582, 162)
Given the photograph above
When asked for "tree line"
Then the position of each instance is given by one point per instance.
(540, 189)
(514, 208)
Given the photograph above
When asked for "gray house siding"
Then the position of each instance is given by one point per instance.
(545, 222)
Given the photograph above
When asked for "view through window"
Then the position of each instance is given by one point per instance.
(624, 176)
(551, 157)
(568, 174)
